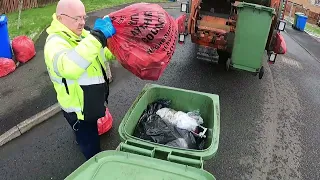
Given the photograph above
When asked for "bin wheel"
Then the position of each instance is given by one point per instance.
(228, 64)
(261, 73)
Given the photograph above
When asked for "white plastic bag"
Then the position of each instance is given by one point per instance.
(180, 119)
(167, 114)
(196, 115)
(184, 121)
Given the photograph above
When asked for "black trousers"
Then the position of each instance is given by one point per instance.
(86, 134)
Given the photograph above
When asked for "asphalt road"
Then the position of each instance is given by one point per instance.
(269, 127)
(310, 43)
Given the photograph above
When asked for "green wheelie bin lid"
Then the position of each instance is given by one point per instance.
(182, 100)
(117, 165)
(256, 7)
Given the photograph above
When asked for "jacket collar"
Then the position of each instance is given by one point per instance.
(57, 27)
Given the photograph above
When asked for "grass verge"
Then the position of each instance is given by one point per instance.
(33, 21)
(314, 29)
(310, 28)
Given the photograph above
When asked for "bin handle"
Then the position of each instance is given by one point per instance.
(198, 163)
(136, 150)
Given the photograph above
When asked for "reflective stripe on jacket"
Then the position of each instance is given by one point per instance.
(75, 68)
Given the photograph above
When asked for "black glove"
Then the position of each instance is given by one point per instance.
(100, 37)
(88, 28)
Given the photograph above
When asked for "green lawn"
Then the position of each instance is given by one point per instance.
(314, 29)
(33, 21)
(310, 28)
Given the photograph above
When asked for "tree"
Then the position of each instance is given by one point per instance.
(20, 9)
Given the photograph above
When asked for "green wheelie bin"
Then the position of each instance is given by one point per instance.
(138, 159)
(251, 35)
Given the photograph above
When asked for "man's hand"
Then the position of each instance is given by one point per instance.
(105, 26)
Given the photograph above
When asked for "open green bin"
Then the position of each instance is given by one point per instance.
(136, 158)
(252, 30)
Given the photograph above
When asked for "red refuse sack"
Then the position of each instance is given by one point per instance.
(145, 39)
(280, 44)
(6, 66)
(23, 48)
(181, 24)
(105, 123)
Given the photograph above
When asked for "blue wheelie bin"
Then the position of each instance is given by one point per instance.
(301, 22)
(5, 47)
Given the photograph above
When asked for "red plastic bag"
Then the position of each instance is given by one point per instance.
(280, 46)
(105, 123)
(6, 66)
(145, 39)
(23, 48)
(181, 24)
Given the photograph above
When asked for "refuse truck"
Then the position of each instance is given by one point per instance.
(240, 32)
(139, 159)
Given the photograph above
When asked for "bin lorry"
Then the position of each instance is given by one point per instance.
(228, 26)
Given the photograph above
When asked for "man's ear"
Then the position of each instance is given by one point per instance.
(59, 17)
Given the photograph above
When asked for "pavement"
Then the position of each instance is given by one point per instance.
(269, 127)
(29, 90)
(311, 44)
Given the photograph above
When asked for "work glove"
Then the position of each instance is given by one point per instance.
(103, 29)
(86, 27)
(105, 25)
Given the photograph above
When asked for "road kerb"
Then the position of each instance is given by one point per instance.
(28, 124)
(309, 52)
(9, 135)
(38, 118)
(301, 45)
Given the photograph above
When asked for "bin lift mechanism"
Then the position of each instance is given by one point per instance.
(271, 55)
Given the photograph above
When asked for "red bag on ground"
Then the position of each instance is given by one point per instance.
(280, 46)
(181, 24)
(105, 123)
(145, 39)
(23, 48)
(6, 66)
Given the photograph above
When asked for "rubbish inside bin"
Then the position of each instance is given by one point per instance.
(163, 125)
(196, 115)
(180, 119)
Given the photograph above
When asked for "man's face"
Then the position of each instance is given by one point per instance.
(74, 19)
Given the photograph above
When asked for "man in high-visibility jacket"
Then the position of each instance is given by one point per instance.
(75, 62)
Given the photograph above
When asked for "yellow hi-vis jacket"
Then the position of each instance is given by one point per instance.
(75, 67)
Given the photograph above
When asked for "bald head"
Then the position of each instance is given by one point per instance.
(68, 6)
(71, 13)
